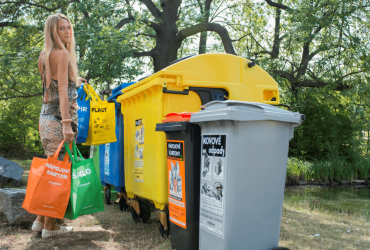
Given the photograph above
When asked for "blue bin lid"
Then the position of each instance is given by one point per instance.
(120, 87)
(117, 91)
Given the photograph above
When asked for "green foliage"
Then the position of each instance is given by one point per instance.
(19, 135)
(332, 168)
(336, 33)
(84, 150)
(326, 129)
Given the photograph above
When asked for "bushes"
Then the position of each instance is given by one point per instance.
(325, 130)
(334, 169)
(19, 136)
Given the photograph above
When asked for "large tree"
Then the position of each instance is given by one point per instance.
(316, 50)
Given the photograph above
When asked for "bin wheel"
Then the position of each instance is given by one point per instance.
(122, 205)
(107, 196)
(144, 213)
(165, 233)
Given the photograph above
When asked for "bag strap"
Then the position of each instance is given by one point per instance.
(77, 156)
(43, 78)
(81, 94)
(91, 92)
(69, 153)
(77, 152)
(56, 154)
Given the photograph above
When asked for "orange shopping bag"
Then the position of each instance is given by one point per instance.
(49, 186)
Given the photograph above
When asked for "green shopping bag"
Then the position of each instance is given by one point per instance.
(85, 188)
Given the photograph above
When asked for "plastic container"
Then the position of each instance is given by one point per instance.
(183, 167)
(112, 173)
(183, 86)
(243, 144)
(94, 153)
(120, 87)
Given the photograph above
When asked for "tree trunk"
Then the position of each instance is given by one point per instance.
(203, 35)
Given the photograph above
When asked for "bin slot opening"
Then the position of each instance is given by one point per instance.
(270, 95)
(210, 94)
(185, 92)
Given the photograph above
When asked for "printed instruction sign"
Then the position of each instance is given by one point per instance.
(212, 187)
(176, 182)
(106, 159)
(139, 150)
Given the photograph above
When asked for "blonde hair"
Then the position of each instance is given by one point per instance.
(52, 40)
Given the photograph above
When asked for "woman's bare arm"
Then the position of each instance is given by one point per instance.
(62, 60)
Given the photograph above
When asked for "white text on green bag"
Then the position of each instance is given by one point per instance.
(81, 173)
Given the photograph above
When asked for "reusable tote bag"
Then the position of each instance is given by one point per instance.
(49, 186)
(83, 115)
(86, 196)
(102, 126)
(37, 167)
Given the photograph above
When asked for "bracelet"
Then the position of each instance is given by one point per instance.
(66, 120)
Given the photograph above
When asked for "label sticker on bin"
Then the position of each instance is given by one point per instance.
(176, 182)
(106, 159)
(139, 151)
(212, 185)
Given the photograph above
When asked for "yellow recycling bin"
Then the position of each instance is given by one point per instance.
(183, 86)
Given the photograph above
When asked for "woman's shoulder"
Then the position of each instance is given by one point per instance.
(41, 56)
(59, 53)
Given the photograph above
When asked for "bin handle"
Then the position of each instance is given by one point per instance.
(185, 92)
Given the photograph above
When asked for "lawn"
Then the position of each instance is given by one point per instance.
(303, 226)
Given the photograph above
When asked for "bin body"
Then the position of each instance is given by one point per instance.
(183, 86)
(243, 167)
(94, 153)
(111, 154)
(111, 158)
(183, 167)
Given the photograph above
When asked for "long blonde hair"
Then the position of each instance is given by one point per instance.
(52, 40)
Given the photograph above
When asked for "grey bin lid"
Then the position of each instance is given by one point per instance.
(246, 111)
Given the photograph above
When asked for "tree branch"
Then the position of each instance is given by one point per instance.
(277, 5)
(123, 22)
(276, 45)
(20, 96)
(11, 24)
(205, 26)
(290, 77)
(144, 53)
(287, 106)
(154, 25)
(152, 8)
(33, 4)
(86, 14)
(237, 40)
(145, 34)
(307, 82)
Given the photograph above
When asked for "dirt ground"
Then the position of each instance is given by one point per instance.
(111, 229)
(303, 226)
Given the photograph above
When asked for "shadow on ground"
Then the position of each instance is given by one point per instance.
(110, 229)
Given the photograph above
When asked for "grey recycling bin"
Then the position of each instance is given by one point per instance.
(243, 167)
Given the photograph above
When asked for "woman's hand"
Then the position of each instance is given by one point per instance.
(80, 80)
(68, 133)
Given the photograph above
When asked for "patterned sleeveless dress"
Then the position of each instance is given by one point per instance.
(50, 126)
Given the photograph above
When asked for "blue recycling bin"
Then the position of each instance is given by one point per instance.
(111, 154)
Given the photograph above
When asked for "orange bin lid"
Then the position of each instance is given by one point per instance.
(178, 117)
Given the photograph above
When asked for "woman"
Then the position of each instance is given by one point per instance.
(58, 119)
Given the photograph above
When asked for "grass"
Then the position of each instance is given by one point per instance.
(334, 168)
(314, 227)
(303, 226)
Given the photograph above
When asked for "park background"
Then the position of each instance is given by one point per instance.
(317, 51)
